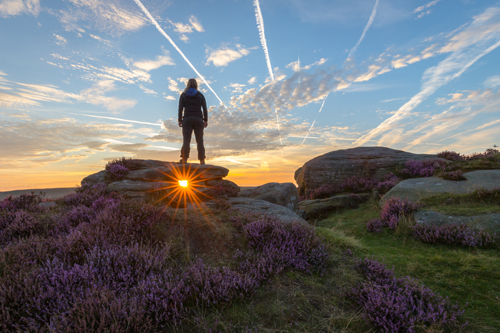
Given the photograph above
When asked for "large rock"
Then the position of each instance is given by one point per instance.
(149, 176)
(264, 207)
(336, 166)
(98, 177)
(283, 194)
(320, 207)
(418, 188)
(487, 222)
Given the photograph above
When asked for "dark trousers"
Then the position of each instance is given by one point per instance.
(190, 124)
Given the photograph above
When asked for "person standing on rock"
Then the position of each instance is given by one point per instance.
(191, 104)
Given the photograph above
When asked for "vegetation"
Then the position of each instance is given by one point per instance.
(466, 275)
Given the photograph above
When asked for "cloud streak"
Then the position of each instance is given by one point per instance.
(155, 23)
(368, 25)
(262, 35)
(466, 53)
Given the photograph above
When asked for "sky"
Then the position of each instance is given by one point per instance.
(83, 82)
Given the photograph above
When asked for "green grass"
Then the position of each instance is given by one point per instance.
(297, 302)
(464, 275)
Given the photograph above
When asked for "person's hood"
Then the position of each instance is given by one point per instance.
(191, 92)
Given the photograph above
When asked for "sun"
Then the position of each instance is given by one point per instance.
(183, 183)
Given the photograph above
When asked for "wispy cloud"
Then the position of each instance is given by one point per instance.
(422, 9)
(149, 65)
(186, 28)
(263, 41)
(368, 25)
(492, 81)
(17, 7)
(60, 40)
(96, 95)
(224, 55)
(51, 140)
(113, 16)
(466, 53)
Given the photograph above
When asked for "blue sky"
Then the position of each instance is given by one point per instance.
(86, 81)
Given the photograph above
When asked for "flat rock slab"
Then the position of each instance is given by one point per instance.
(319, 207)
(151, 175)
(283, 194)
(152, 170)
(336, 166)
(418, 188)
(487, 222)
(264, 207)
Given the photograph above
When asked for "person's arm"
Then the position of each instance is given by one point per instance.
(181, 108)
(204, 107)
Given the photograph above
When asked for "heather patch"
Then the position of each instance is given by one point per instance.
(401, 304)
(355, 184)
(117, 169)
(26, 201)
(111, 264)
(394, 211)
(454, 234)
(421, 168)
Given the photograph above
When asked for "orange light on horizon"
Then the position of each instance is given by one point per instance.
(183, 183)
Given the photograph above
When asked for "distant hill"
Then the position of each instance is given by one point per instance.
(51, 193)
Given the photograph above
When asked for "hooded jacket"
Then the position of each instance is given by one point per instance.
(192, 102)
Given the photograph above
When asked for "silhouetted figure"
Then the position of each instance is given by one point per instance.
(191, 103)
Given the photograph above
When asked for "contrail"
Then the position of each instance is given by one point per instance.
(310, 128)
(370, 21)
(151, 18)
(260, 26)
(119, 119)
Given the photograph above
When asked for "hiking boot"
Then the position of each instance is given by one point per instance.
(202, 161)
(183, 161)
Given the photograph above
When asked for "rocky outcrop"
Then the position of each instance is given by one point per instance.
(487, 222)
(336, 166)
(320, 207)
(150, 178)
(264, 207)
(283, 194)
(418, 188)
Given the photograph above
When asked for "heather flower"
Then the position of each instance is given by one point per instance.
(454, 175)
(375, 225)
(450, 155)
(453, 234)
(394, 208)
(400, 304)
(421, 168)
(17, 224)
(118, 171)
(355, 184)
(25, 201)
(85, 194)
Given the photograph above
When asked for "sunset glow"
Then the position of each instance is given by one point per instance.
(183, 183)
(85, 82)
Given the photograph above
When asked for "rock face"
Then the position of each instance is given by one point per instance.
(418, 188)
(336, 166)
(283, 194)
(487, 222)
(320, 207)
(151, 177)
(264, 207)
